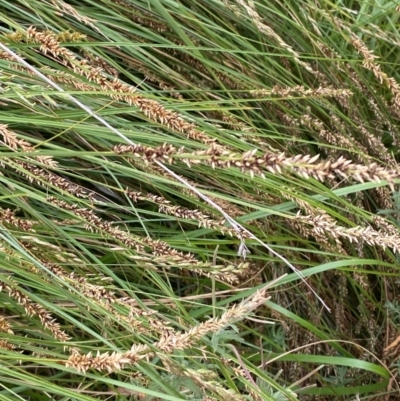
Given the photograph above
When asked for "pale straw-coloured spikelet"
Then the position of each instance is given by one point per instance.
(166, 207)
(39, 175)
(355, 234)
(4, 344)
(160, 249)
(65, 78)
(334, 138)
(98, 293)
(303, 165)
(357, 151)
(229, 207)
(375, 146)
(229, 273)
(384, 225)
(94, 223)
(302, 92)
(5, 327)
(57, 252)
(34, 309)
(235, 124)
(7, 216)
(11, 140)
(67, 9)
(381, 121)
(120, 91)
(269, 32)
(163, 252)
(115, 361)
(136, 319)
(371, 64)
(307, 230)
(97, 62)
(383, 197)
(43, 177)
(64, 9)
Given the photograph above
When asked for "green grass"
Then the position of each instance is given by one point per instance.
(136, 267)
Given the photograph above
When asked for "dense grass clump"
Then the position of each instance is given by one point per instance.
(199, 200)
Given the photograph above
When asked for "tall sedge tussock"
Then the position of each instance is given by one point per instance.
(119, 279)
